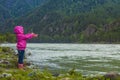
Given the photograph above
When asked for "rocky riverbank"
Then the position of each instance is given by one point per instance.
(9, 70)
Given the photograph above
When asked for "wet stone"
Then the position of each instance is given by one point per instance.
(112, 75)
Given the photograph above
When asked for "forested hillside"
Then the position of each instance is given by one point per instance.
(73, 21)
(11, 9)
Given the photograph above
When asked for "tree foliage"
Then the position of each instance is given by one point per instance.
(8, 37)
(68, 21)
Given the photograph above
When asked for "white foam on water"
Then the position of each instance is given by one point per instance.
(81, 55)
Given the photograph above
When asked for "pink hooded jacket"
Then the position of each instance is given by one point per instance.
(21, 37)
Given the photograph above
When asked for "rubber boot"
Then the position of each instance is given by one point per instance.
(20, 66)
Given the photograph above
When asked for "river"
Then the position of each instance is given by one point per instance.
(85, 58)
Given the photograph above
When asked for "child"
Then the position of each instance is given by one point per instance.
(21, 43)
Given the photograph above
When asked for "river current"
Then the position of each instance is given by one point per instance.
(85, 58)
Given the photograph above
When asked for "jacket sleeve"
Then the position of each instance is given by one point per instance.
(28, 36)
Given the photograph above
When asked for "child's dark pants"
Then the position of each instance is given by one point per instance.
(21, 56)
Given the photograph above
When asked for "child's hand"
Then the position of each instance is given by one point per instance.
(35, 35)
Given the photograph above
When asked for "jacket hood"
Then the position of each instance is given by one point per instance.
(18, 30)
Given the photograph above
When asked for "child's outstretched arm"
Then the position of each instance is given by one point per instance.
(30, 35)
(35, 35)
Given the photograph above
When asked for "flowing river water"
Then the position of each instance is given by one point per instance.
(85, 58)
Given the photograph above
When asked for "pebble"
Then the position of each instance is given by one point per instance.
(5, 75)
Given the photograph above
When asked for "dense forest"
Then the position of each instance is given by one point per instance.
(11, 9)
(76, 21)
(7, 37)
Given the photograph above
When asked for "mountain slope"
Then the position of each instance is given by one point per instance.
(10, 9)
(70, 20)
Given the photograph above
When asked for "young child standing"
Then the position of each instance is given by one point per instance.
(21, 43)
